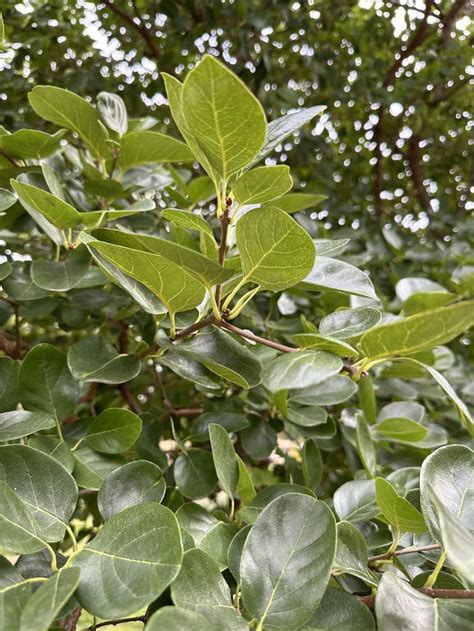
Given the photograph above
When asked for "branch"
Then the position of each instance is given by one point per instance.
(181, 412)
(369, 601)
(225, 221)
(414, 160)
(108, 623)
(129, 398)
(411, 550)
(140, 28)
(195, 327)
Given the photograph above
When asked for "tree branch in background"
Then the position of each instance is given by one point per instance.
(415, 158)
(138, 26)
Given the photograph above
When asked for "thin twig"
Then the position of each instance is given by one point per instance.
(248, 335)
(195, 327)
(369, 601)
(411, 550)
(181, 412)
(108, 623)
(139, 27)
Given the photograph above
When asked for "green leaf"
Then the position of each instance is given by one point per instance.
(286, 561)
(187, 219)
(61, 275)
(306, 416)
(194, 473)
(365, 446)
(262, 184)
(229, 420)
(196, 521)
(351, 554)
(43, 485)
(174, 286)
(200, 587)
(46, 603)
(189, 369)
(46, 383)
(30, 144)
(397, 510)
(224, 457)
(300, 370)
(7, 200)
(178, 619)
(227, 121)
(66, 109)
(401, 430)
(9, 392)
(93, 359)
(130, 562)
(149, 147)
(459, 405)
(349, 322)
(134, 483)
(54, 447)
(419, 332)
(340, 611)
(35, 200)
(399, 606)
(14, 593)
(446, 479)
(234, 554)
(223, 355)
(216, 542)
(114, 430)
(355, 501)
(334, 390)
(294, 202)
(17, 424)
(285, 126)
(245, 488)
(113, 112)
(321, 343)
(312, 465)
(19, 532)
(276, 252)
(91, 468)
(331, 274)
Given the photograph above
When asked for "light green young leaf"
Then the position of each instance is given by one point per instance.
(19, 423)
(224, 457)
(46, 603)
(399, 606)
(349, 322)
(30, 144)
(332, 274)
(276, 252)
(130, 562)
(287, 560)
(400, 430)
(94, 359)
(135, 483)
(322, 343)
(262, 184)
(282, 127)
(114, 430)
(397, 510)
(418, 332)
(245, 487)
(47, 490)
(69, 110)
(187, 219)
(300, 370)
(227, 121)
(61, 275)
(58, 212)
(150, 147)
(294, 202)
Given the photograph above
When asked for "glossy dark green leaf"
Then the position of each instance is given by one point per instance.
(331, 274)
(200, 587)
(225, 463)
(43, 485)
(216, 542)
(399, 606)
(14, 593)
(300, 370)
(286, 561)
(355, 501)
(20, 423)
(46, 603)
(114, 430)
(54, 447)
(340, 611)
(336, 389)
(351, 554)
(19, 531)
(365, 446)
(133, 558)
(93, 359)
(61, 275)
(91, 468)
(231, 421)
(134, 483)
(46, 383)
(195, 474)
(234, 553)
